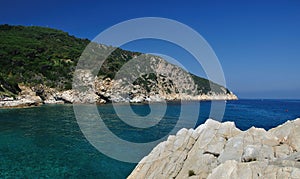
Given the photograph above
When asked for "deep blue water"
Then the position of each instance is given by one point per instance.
(46, 141)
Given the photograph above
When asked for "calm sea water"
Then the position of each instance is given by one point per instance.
(46, 141)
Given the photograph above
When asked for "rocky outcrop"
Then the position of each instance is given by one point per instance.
(27, 97)
(151, 78)
(220, 150)
(116, 91)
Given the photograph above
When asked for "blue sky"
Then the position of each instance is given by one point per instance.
(257, 43)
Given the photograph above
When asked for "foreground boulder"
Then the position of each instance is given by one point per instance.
(220, 150)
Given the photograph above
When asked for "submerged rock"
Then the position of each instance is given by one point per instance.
(220, 150)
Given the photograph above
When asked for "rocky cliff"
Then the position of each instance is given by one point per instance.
(220, 150)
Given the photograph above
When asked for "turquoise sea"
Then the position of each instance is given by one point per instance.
(46, 142)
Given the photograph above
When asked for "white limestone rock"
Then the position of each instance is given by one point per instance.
(220, 150)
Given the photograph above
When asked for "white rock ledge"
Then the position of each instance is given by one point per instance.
(220, 150)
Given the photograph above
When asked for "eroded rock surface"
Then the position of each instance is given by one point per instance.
(27, 97)
(220, 150)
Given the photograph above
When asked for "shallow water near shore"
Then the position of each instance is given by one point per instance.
(46, 141)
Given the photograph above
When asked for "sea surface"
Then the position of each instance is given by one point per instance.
(46, 141)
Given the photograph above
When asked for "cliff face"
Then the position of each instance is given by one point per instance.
(155, 81)
(220, 150)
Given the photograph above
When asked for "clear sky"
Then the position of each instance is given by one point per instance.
(257, 42)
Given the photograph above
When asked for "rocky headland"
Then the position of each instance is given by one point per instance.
(42, 66)
(220, 150)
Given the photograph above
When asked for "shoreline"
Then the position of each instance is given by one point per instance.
(15, 104)
(30, 97)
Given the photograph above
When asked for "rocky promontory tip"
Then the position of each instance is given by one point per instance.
(220, 150)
